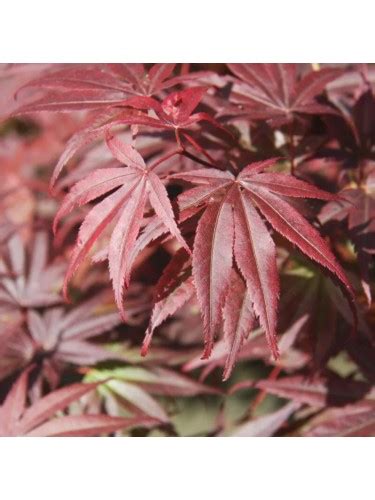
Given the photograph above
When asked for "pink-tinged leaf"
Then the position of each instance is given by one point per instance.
(93, 225)
(91, 187)
(92, 131)
(165, 308)
(62, 338)
(139, 398)
(125, 153)
(178, 106)
(256, 168)
(39, 256)
(173, 274)
(17, 255)
(205, 176)
(51, 403)
(318, 392)
(351, 421)
(162, 206)
(217, 359)
(83, 328)
(212, 264)
(37, 326)
(266, 91)
(88, 425)
(263, 87)
(254, 347)
(83, 311)
(160, 72)
(153, 230)
(287, 185)
(173, 289)
(132, 73)
(239, 320)
(190, 202)
(289, 223)
(166, 382)
(122, 241)
(315, 109)
(100, 125)
(267, 425)
(79, 352)
(76, 78)
(274, 92)
(64, 102)
(15, 421)
(313, 84)
(255, 254)
(141, 119)
(15, 402)
(139, 82)
(143, 103)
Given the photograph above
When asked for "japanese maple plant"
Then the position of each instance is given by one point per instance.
(187, 250)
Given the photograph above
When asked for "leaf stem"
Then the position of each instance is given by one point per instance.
(291, 148)
(262, 394)
(196, 159)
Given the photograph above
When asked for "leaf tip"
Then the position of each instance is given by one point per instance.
(146, 342)
(207, 350)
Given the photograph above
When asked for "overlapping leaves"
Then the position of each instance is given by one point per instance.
(97, 86)
(18, 419)
(135, 185)
(231, 226)
(239, 227)
(275, 92)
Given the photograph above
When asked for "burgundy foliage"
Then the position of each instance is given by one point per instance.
(187, 250)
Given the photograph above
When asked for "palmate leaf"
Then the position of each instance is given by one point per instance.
(136, 185)
(98, 86)
(133, 388)
(58, 337)
(95, 86)
(232, 227)
(245, 227)
(18, 419)
(274, 91)
(111, 91)
(174, 112)
(27, 279)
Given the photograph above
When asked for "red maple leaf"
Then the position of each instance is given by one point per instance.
(232, 225)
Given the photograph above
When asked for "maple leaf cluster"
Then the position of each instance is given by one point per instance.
(172, 234)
